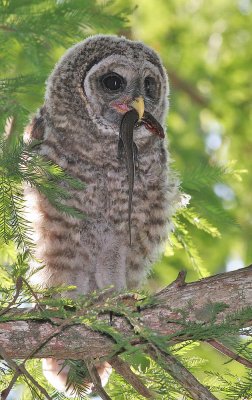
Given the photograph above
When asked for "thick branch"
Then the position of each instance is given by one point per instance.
(234, 289)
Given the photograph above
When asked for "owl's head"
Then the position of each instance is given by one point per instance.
(101, 77)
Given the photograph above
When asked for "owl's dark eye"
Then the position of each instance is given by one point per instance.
(113, 82)
(150, 87)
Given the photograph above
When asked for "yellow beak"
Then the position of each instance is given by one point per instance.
(138, 105)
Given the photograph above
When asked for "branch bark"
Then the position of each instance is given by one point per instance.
(234, 289)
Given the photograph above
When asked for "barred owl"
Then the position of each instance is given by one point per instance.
(91, 89)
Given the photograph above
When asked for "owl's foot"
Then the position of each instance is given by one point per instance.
(57, 376)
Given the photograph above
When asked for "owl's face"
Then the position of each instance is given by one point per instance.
(112, 85)
(99, 78)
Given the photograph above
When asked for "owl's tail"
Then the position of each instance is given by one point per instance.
(57, 376)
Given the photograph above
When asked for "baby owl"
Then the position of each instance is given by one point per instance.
(88, 93)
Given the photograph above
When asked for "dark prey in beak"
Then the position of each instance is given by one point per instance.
(128, 123)
(152, 125)
(126, 143)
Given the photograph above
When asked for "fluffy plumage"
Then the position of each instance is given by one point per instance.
(79, 128)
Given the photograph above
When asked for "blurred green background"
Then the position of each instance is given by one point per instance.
(206, 47)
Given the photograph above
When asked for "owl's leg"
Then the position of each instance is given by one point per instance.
(57, 376)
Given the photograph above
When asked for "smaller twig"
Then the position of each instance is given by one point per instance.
(34, 295)
(181, 374)
(228, 352)
(6, 391)
(179, 282)
(122, 368)
(13, 301)
(22, 370)
(96, 379)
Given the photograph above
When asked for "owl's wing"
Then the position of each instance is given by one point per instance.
(35, 129)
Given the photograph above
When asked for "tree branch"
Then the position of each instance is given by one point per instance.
(15, 297)
(230, 353)
(20, 369)
(193, 300)
(122, 368)
(96, 379)
(180, 374)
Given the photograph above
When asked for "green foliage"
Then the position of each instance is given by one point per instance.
(78, 372)
(154, 377)
(20, 165)
(206, 47)
(86, 311)
(33, 34)
(239, 390)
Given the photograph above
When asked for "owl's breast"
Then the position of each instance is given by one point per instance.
(149, 194)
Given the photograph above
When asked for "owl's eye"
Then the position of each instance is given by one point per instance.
(113, 82)
(150, 87)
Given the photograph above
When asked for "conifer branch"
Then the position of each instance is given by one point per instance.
(19, 284)
(230, 353)
(20, 369)
(225, 297)
(181, 374)
(199, 311)
(123, 369)
(5, 393)
(96, 379)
